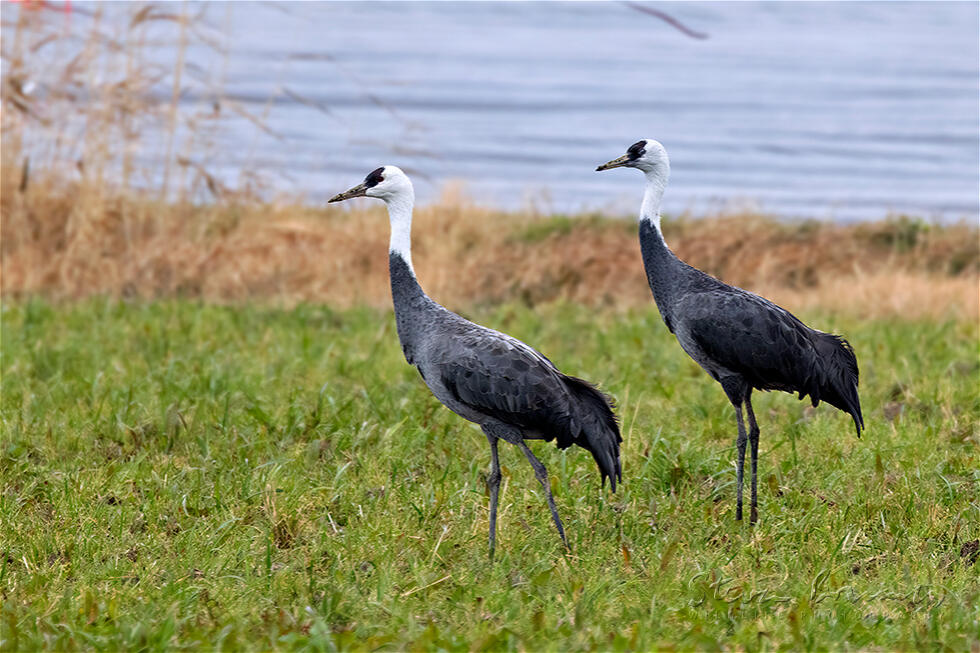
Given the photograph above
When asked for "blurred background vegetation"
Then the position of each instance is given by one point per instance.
(107, 189)
(210, 438)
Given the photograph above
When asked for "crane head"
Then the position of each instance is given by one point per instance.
(648, 155)
(385, 183)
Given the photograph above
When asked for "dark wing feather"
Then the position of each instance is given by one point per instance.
(599, 429)
(506, 380)
(753, 337)
(773, 350)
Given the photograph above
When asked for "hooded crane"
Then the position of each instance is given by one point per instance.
(513, 392)
(741, 340)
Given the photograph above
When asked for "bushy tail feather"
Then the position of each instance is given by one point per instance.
(597, 423)
(838, 384)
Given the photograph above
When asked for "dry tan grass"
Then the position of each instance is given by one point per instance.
(79, 219)
(66, 241)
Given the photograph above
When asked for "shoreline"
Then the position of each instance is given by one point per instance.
(70, 242)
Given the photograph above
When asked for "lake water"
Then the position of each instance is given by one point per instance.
(828, 110)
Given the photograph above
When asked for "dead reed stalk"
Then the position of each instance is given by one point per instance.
(84, 102)
(466, 255)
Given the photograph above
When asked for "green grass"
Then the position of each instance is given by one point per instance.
(179, 474)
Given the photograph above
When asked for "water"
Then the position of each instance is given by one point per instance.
(829, 110)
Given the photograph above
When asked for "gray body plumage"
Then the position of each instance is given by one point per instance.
(487, 377)
(509, 389)
(744, 341)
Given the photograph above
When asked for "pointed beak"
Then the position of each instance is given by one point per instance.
(615, 163)
(357, 191)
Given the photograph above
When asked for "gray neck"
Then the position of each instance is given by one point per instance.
(411, 304)
(409, 299)
(664, 270)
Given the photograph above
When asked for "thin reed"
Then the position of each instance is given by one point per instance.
(88, 104)
(467, 255)
(87, 93)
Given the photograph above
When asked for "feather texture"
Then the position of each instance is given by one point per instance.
(512, 391)
(498, 381)
(743, 341)
(499, 377)
(737, 332)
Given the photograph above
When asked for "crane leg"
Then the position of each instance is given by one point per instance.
(741, 458)
(542, 475)
(493, 483)
(754, 444)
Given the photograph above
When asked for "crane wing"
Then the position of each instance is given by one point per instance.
(752, 337)
(505, 379)
(501, 377)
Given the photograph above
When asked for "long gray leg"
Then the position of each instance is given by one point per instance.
(754, 440)
(737, 390)
(542, 475)
(741, 458)
(493, 482)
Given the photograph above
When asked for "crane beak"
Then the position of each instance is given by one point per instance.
(357, 191)
(615, 163)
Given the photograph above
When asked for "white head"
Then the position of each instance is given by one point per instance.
(648, 155)
(390, 184)
(387, 183)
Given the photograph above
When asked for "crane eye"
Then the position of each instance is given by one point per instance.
(374, 178)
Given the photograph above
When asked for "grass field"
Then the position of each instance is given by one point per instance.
(216, 473)
(183, 474)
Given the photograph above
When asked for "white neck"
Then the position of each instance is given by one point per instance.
(650, 209)
(400, 216)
